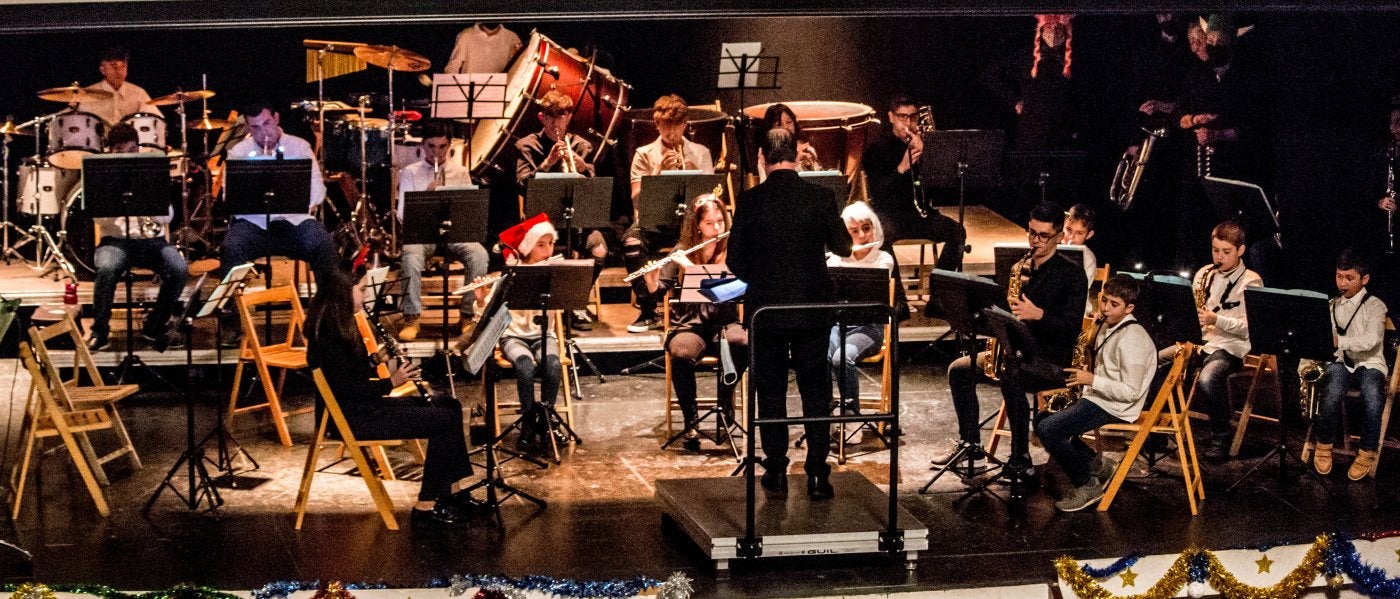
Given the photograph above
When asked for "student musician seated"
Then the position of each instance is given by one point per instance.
(1080, 221)
(696, 328)
(864, 340)
(522, 342)
(1123, 362)
(334, 344)
(1358, 319)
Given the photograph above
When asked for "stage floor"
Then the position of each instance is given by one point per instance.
(602, 520)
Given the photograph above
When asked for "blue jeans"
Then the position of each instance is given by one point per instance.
(521, 353)
(471, 255)
(246, 242)
(1213, 390)
(862, 341)
(114, 256)
(1059, 434)
(1371, 382)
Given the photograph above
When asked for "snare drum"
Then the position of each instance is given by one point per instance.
(838, 131)
(43, 188)
(343, 143)
(600, 99)
(150, 130)
(73, 135)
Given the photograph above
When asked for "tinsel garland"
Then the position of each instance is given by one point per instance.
(1114, 568)
(1342, 558)
(1086, 587)
(1291, 586)
(1194, 567)
(676, 587)
(27, 591)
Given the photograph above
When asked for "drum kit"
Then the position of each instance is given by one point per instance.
(50, 193)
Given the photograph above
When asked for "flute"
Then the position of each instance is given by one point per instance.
(491, 279)
(656, 264)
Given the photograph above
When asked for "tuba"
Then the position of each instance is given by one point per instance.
(1128, 175)
(991, 365)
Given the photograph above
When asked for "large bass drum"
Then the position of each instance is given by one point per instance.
(81, 238)
(599, 103)
(838, 131)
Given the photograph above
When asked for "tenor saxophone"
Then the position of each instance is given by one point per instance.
(1062, 399)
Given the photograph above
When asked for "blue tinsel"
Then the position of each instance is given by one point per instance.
(1114, 568)
(557, 587)
(1200, 566)
(1342, 557)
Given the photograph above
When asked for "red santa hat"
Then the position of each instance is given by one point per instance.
(519, 239)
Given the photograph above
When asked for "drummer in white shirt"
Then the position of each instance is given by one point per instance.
(127, 98)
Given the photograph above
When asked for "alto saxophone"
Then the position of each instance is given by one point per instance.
(991, 365)
(1201, 292)
(1308, 380)
(1062, 399)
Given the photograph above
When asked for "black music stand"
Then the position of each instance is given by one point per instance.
(439, 218)
(468, 97)
(839, 185)
(691, 287)
(860, 285)
(1024, 368)
(664, 198)
(478, 348)
(556, 285)
(580, 203)
(744, 67)
(960, 158)
(1246, 203)
(232, 285)
(1167, 309)
(201, 486)
(268, 187)
(1290, 325)
(126, 186)
(963, 299)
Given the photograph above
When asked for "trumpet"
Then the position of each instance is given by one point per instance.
(1128, 175)
(657, 264)
(674, 159)
(807, 158)
(150, 229)
(568, 164)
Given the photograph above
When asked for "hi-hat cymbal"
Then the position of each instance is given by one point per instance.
(72, 93)
(208, 124)
(393, 57)
(182, 97)
(9, 128)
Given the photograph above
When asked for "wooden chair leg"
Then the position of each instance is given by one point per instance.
(996, 428)
(417, 448)
(381, 457)
(1248, 409)
(376, 488)
(90, 456)
(309, 471)
(123, 437)
(274, 405)
(86, 473)
(18, 487)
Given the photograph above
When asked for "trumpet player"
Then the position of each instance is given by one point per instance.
(134, 242)
(1051, 303)
(1358, 320)
(1220, 311)
(670, 151)
(697, 328)
(428, 174)
(1122, 362)
(780, 116)
(553, 150)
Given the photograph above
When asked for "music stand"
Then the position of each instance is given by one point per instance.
(961, 158)
(468, 97)
(1006, 254)
(830, 179)
(1062, 170)
(690, 289)
(268, 187)
(663, 199)
(859, 285)
(964, 299)
(1246, 203)
(125, 186)
(1290, 325)
(556, 285)
(232, 285)
(444, 217)
(1166, 307)
(741, 65)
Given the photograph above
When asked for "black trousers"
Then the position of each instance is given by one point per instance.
(439, 423)
(935, 227)
(805, 351)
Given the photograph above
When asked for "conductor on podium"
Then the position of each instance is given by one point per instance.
(782, 231)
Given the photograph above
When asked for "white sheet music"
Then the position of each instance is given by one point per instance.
(731, 56)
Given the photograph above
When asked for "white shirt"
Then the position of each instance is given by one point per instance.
(650, 157)
(1231, 329)
(294, 148)
(1364, 339)
(129, 100)
(1091, 267)
(480, 51)
(417, 176)
(1124, 364)
(875, 257)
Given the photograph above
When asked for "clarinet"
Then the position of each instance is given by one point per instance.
(392, 346)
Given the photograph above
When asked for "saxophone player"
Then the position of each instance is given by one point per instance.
(1358, 320)
(1051, 303)
(1122, 361)
(1220, 310)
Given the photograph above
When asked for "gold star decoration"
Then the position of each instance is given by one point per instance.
(1129, 577)
(1264, 562)
(1397, 555)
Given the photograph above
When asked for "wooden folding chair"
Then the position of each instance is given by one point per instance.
(673, 407)
(878, 402)
(290, 354)
(414, 446)
(916, 286)
(1391, 388)
(46, 417)
(1165, 414)
(564, 404)
(348, 444)
(95, 394)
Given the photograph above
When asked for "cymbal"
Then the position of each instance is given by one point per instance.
(9, 128)
(182, 97)
(370, 122)
(208, 124)
(72, 93)
(332, 47)
(393, 57)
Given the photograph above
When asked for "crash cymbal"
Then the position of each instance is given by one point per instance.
(182, 97)
(72, 93)
(9, 128)
(393, 57)
(208, 124)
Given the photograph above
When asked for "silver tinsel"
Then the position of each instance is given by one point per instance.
(676, 587)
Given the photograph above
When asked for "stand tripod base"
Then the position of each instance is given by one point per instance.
(201, 487)
(725, 431)
(1283, 455)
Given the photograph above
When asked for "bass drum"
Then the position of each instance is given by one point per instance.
(838, 131)
(600, 99)
(81, 238)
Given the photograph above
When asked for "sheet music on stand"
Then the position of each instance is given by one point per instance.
(231, 284)
(746, 59)
(831, 179)
(481, 343)
(468, 96)
(375, 282)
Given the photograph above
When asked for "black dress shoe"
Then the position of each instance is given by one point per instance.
(443, 515)
(464, 502)
(775, 482)
(98, 342)
(819, 488)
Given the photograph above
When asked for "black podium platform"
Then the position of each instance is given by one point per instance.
(711, 512)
